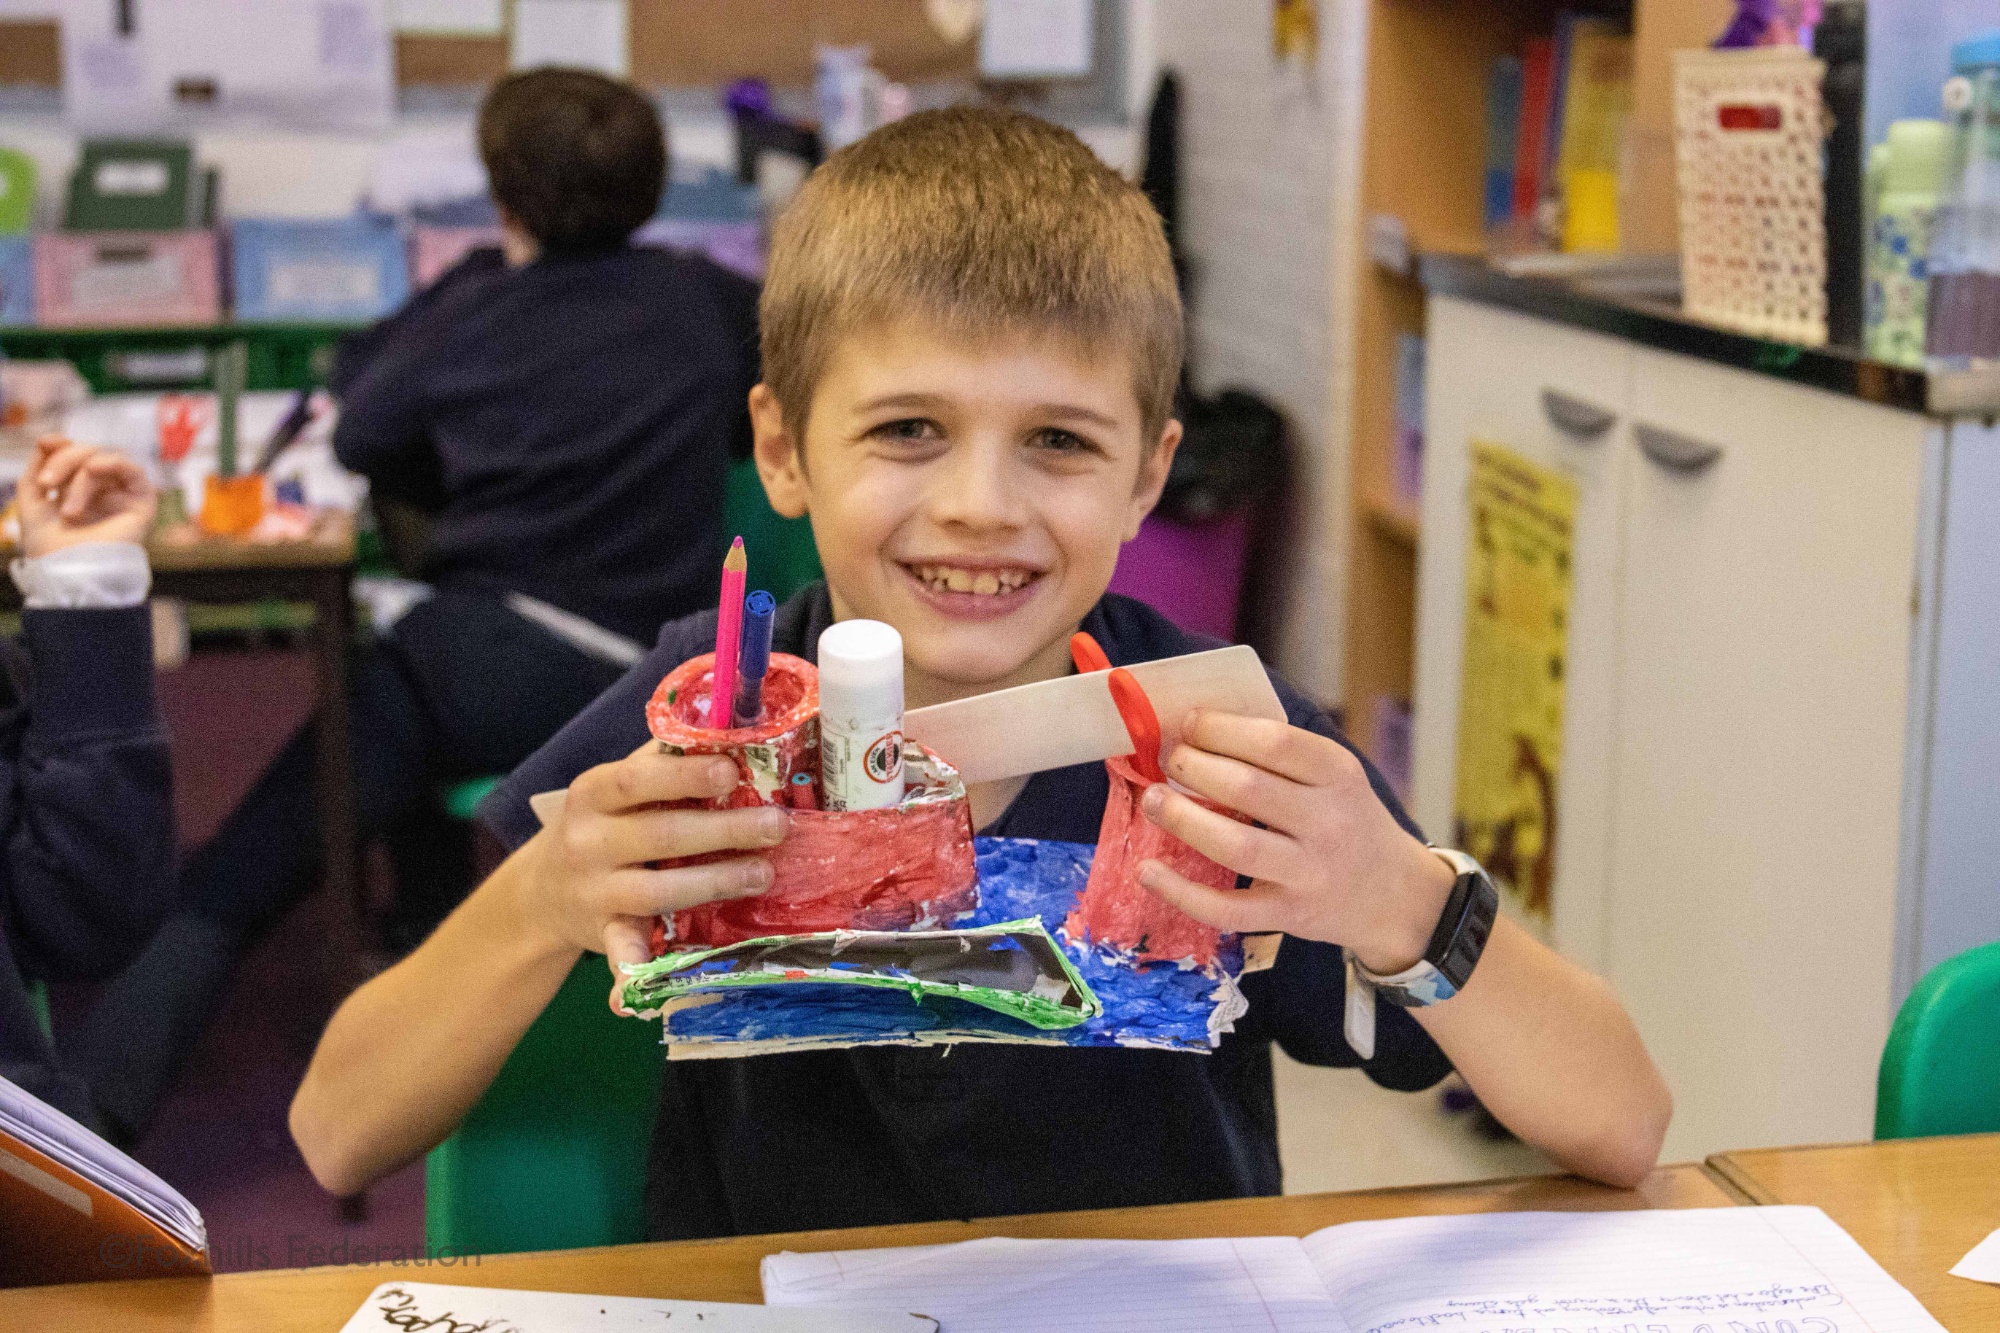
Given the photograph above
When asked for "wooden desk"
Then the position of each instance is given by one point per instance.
(1917, 1205)
(319, 1300)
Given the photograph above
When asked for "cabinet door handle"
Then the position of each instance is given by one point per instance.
(1676, 452)
(1577, 418)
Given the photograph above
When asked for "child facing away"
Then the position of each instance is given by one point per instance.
(86, 809)
(971, 337)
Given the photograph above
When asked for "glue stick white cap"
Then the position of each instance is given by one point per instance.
(861, 715)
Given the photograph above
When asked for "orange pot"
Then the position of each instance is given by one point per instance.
(231, 506)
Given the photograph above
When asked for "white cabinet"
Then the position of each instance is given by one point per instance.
(1745, 767)
(1763, 649)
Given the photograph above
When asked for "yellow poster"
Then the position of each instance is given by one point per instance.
(1510, 704)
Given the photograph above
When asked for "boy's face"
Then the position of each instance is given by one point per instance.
(972, 495)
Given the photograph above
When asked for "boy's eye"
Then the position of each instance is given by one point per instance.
(908, 428)
(1063, 442)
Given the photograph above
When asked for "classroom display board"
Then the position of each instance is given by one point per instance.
(673, 43)
(164, 66)
(1510, 713)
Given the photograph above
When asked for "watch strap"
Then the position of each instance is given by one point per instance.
(1456, 943)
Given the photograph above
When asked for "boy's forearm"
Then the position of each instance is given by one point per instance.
(1552, 1054)
(409, 1053)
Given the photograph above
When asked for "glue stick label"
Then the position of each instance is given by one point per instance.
(858, 773)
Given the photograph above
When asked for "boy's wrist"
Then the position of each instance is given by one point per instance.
(540, 929)
(1424, 887)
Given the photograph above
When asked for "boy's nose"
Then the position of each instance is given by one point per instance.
(975, 489)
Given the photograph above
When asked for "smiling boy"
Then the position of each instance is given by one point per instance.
(971, 337)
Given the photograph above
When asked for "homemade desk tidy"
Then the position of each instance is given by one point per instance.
(887, 922)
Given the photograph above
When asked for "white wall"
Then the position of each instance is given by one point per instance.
(1270, 183)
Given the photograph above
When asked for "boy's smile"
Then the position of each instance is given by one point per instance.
(973, 495)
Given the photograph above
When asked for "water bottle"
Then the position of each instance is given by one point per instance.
(1963, 319)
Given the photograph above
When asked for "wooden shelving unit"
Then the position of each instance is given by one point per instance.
(1423, 155)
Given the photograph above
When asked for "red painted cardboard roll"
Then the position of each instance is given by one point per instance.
(785, 742)
(1115, 910)
(906, 868)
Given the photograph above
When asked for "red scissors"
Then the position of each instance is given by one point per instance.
(1142, 724)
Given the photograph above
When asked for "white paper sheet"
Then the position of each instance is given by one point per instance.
(472, 18)
(1659, 1271)
(577, 34)
(395, 1307)
(1260, 1284)
(1036, 39)
(1982, 1262)
(190, 65)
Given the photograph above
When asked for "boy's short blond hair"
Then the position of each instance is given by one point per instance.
(982, 222)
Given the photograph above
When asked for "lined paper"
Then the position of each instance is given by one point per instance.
(1662, 1271)
(1258, 1285)
(1704, 1270)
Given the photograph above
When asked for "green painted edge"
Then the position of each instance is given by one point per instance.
(648, 987)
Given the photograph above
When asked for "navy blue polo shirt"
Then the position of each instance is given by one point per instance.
(890, 1134)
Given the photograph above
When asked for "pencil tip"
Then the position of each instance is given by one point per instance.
(736, 559)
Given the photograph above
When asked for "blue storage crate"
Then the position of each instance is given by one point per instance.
(348, 269)
(17, 280)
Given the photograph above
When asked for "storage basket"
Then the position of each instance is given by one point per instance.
(1748, 127)
(435, 249)
(17, 280)
(104, 278)
(340, 270)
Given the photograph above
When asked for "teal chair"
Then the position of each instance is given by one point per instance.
(38, 1000)
(1941, 1068)
(554, 1155)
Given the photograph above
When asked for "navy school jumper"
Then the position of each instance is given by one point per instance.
(877, 1135)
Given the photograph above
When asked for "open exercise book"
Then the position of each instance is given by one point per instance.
(1707, 1270)
(73, 1208)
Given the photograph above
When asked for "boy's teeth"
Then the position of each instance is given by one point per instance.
(981, 583)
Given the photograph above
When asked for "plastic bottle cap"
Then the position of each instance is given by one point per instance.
(1974, 52)
(1917, 152)
(861, 656)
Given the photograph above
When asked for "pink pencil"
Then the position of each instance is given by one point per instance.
(728, 636)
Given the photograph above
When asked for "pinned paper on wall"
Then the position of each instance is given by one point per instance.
(1510, 711)
(572, 34)
(1036, 39)
(296, 64)
(468, 18)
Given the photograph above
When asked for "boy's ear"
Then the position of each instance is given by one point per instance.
(1153, 471)
(777, 455)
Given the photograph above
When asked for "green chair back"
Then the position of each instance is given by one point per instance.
(38, 1000)
(17, 191)
(1941, 1068)
(554, 1155)
(782, 556)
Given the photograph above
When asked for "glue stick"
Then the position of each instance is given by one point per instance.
(860, 716)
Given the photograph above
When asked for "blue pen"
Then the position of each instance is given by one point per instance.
(753, 659)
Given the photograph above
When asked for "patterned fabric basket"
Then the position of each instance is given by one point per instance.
(1748, 127)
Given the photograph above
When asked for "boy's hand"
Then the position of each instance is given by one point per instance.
(73, 493)
(593, 888)
(1331, 862)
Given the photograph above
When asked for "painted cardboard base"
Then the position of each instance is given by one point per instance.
(1163, 1006)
